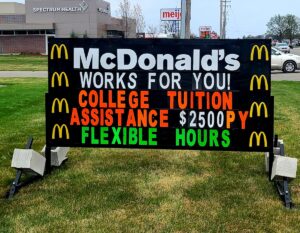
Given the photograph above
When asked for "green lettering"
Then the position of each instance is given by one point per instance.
(104, 135)
(226, 138)
(116, 139)
(213, 138)
(180, 137)
(133, 139)
(94, 141)
(202, 137)
(152, 136)
(84, 134)
(141, 141)
(191, 137)
(124, 136)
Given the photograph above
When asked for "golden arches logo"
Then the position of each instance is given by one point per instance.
(58, 49)
(259, 50)
(60, 129)
(258, 137)
(258, 109)
(60, 103)
(59, 79)
(259, 80)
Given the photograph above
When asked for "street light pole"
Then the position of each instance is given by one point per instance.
(221, 19)
(188, 19)
(185, 31)
(183, 16)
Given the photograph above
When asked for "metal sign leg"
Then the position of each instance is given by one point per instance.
(16, 183)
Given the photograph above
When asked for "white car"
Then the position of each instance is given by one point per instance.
(283, 47)
(288, 63)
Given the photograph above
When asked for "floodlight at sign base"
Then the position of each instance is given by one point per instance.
(28, 161)
(276, 150)
(58, 155)
(267, 161)
(280, 141)
(284, 167)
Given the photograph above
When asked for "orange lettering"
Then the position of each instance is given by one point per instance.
(119, 112)
(85, 117)
(131, 119)
(164, 117)
(95, 117)
(133, 103)
(152, 118)
(102, 104)
(93, 99)
(144, 99)
(243, 118)
(227, 101)
(200, 96)
(230, 117)
(74, 117)
(172, 95)
(109, 118)
(111, 103)
(121, 99)
(82, 103)
(216, 100)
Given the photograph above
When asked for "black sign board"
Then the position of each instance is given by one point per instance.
(160, 93)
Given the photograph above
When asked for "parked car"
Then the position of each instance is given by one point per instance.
(274, 42)
(288, 63)
(296, 42)
(283, 47)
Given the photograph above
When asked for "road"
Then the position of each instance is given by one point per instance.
(23, 74)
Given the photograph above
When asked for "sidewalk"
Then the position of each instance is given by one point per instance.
(23, 74)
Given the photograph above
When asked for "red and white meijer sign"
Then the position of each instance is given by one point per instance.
(170, 14)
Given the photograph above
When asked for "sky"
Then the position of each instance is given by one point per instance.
(244, 17)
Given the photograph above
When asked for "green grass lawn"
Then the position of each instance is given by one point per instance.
(23, 63)
(118, 190)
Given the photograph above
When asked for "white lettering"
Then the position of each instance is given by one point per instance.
(81, 58)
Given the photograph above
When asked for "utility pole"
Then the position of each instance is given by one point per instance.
(221, 19)
(185, 25)
(188, 19)
(224, 4)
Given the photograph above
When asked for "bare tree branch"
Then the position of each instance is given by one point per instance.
(139, 18)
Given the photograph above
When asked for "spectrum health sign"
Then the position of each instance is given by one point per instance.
(170, 94)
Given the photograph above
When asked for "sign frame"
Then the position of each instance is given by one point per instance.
(257, 51)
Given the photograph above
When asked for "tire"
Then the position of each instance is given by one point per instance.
(289, 67)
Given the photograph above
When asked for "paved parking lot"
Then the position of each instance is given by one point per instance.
(296, 51)
(280, 76)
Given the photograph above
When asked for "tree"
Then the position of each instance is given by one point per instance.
(73, 34)
(139, 18)
(291, 26)
(85, 35)
(125, 11)
(283, 26)
(276, 26)
(131, 16)
(152, 30)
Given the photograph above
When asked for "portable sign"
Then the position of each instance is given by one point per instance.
(156, 93)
